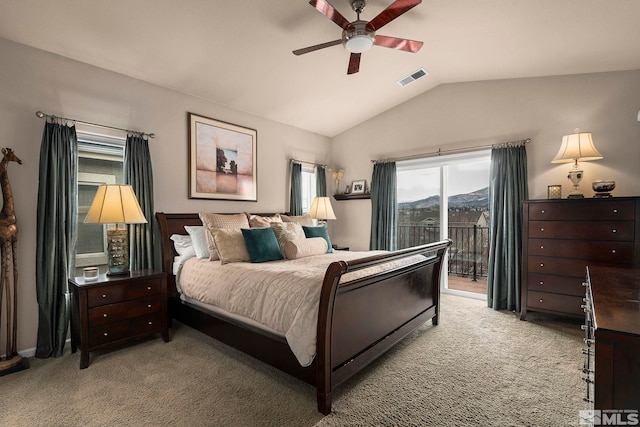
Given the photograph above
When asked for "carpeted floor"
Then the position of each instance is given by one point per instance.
(479, 367)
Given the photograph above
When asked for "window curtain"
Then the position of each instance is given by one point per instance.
(139, 174)
(321, 182)
(295, 199)
(507, 191)
(384, 207)
(55, 235)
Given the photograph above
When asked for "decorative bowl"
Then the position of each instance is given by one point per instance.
(603, 186)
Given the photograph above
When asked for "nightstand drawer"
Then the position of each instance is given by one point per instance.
(114, 312)
(124, 329)
(591, 230)
(122, 292)
(566, 304)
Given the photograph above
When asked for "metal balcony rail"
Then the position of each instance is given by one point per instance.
(469, 253)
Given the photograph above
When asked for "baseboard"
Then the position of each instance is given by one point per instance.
(31, 352)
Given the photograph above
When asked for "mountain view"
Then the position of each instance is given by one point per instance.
(477, 200)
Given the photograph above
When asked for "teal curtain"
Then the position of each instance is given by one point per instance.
(295, 199)
(507, 191)
(139, 174)
(384, 207)
(56, 235)
(321, 182)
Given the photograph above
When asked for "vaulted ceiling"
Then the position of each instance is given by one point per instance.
(239, 53)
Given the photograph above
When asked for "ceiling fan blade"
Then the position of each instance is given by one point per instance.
(330, 12)
(316, 47)
(394, 10)
(397, 43)
(354, 63)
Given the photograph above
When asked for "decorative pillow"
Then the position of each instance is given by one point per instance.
(199, 240)
(183, 245)
(261, 244)
(230, 245)
(286, 231)
(320, 231)
(213, 221)
(301, 248)
(302, 220)
(256, 221)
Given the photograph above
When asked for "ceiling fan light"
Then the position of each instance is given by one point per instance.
(358, 43)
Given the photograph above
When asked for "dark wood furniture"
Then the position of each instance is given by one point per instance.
(357, 322)
(562, 237)
(117, 309)
(340, 248)
(613, 303)
(357, 196)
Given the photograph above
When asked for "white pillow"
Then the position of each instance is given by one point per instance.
(199, 240)
(183, 245)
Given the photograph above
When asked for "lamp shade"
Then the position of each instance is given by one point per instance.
(321, 209)
(575, 147)
(115, 204)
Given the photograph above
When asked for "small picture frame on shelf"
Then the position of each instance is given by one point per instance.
(347, 189)
(554, 192)
(358, 187)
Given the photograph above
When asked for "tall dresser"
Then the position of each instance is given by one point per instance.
(561, 237)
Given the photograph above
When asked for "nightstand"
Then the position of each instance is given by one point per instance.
(113, 310)
(340, 248)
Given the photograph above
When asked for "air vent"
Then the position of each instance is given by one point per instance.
(413, 77)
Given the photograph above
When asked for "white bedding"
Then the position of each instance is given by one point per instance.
(281, 295)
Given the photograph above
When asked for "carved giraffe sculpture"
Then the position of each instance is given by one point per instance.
(8, 245)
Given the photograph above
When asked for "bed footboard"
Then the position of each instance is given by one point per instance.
(362, 319)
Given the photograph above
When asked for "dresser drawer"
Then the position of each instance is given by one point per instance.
(565, 304)
(125, 329)
(606, 251)
(114, 312)
(555, 284)
(586, 230)
(122, 292)
(583, 210)
(557, 266)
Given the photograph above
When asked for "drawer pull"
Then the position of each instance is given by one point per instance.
(148, 305)
(614, 231)
(541, 228)
(540, 299)
(104, 295)
(104, 314)
(613, 251)
(105, 334)
(148, 288)
(542, 211)
(541, 264)
(615, 211)
(541, 283)
(151, 323)
(541, 246)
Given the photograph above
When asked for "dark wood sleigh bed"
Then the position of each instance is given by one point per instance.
(357, 322)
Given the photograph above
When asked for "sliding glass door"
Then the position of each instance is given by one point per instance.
(448, 197)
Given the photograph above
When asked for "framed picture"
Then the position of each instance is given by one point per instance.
(358, 187)
(222, 160)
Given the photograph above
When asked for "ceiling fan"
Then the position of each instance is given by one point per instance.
(359, 36)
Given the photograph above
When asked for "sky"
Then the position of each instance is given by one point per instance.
(463, 178)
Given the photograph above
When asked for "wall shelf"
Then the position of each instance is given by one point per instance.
(351, 196)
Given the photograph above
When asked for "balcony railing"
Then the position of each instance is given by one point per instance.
(469, 253)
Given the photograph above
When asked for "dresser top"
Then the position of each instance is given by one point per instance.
(616, 298)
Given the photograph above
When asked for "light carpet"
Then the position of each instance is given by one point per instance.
(479, 367)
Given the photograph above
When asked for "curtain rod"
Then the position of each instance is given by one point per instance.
(453, 150)
(41, 115)
(309, 163)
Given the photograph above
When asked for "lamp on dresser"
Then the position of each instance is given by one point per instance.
(576, 147)
(322, 210)
(116, 204)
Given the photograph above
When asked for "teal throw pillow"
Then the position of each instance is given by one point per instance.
(320, 231)
(262, 244)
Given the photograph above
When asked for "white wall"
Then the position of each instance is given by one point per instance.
(32, 80)
(479, 113)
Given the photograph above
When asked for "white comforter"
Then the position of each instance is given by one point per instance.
(282, 295)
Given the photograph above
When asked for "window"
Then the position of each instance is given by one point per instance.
(100, 161)
(308, 187)
(448, 197)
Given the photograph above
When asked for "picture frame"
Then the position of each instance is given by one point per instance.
(222, 160)
(359, 186)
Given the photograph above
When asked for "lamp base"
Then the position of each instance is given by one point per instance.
(118, 251)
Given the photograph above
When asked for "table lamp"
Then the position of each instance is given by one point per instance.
(116, 204)
(577, 146)
(321, 210)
